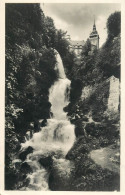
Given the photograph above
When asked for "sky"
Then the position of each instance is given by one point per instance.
(78, 18)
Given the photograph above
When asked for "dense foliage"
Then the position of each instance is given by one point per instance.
(86, 48)
(114, 25)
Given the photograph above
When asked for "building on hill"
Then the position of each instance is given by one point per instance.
(76, 46)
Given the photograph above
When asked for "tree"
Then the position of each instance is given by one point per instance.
(114, 24)
(86, 48)
(50, 32)
(61, 44)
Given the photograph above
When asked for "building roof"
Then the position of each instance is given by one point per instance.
(77, 43)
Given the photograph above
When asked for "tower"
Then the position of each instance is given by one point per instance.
(94, 38)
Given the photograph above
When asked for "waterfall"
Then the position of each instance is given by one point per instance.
(55, 139)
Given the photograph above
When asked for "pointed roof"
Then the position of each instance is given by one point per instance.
(94, 32)
(94, 26)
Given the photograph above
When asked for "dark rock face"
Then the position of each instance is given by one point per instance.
(46, 161)
(36, 126)
(24, 154)
(60, 175)
(57, 182)
(79, 128)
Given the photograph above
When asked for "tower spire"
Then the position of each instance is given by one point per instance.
(94, 26)
(94, 37)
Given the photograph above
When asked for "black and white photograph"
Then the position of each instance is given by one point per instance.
(62, 96)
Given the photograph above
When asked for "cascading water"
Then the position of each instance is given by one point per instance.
(56, 138)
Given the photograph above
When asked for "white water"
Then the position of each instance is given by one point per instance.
(57, 137)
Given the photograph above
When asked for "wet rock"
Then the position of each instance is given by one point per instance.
(43, 123)
(25, 168)
(60, 175)
(79, 131)
(37, 126)
(57, 182)
(21, 139)
(28, 135)
(84, 118)
(79, 128)
(66, 109)
(24, 154)
(70, 156)
(17, 163)
(46, 161)
(59, 154)
(31, 125)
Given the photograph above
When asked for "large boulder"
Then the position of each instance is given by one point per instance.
(46, 161)
(60, 175)
(24, 154)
